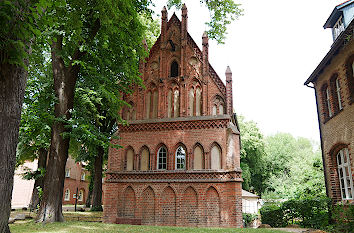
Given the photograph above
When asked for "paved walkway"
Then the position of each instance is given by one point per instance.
(296, 230)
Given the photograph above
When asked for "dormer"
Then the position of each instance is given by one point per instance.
(340, 18)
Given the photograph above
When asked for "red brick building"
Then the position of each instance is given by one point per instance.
(180, 161)
(333, 81)
(75, 184)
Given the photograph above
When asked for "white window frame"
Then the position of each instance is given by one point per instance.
(338, 94)
(180, 163)
(328, 102)
(81, 194)
(346, 188)
(83, 176)
(338, 28)
(163, 161)
(67, 195)
(67, 173)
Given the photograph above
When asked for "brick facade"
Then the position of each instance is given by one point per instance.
(334, 84)
(180, 158)
(75, 182)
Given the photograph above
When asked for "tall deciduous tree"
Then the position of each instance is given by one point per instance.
(254, 168)
(17, 28)
(296, 167)
(107, 32)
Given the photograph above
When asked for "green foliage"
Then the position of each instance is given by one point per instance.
(152, 29)
(222, 13)
(248, 218)
(308, 212)
(273, 215)
(37, 114)
(253, 167)
(343, 215)
(294, 166)
(40, 195)
(18, 25)
(34, 175)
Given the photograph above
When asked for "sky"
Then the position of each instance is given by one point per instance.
(271, 50)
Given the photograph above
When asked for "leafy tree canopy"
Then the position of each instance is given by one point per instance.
(222, 13)
(296, 167)
(253, 167)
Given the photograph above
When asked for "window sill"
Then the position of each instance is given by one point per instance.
(334, 114)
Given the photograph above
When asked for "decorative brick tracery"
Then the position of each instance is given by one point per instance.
(161, 187)
(180, 125)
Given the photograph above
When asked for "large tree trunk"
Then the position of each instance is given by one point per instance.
(88, 200)
(42, 163)
(97, 186)
(12, 89)
(64, 87)
(89, 197)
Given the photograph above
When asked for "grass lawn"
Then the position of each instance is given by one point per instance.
(84, 222)
(80, 227)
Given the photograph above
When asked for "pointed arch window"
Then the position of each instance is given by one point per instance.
(145, 160)
(162, 158)
(215, 162)
(151, 103)
(180, 158)
(195, 99)
(198, 158)
(129, 160)
(218, 106)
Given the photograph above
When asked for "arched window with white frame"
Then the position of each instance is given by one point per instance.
(180, 158)
(162, 158)
(345, 174)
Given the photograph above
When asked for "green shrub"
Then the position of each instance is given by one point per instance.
(248, 218)
(273, 215)
(343, 215)
(307, 212)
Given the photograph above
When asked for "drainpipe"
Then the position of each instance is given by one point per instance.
(319, 126)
